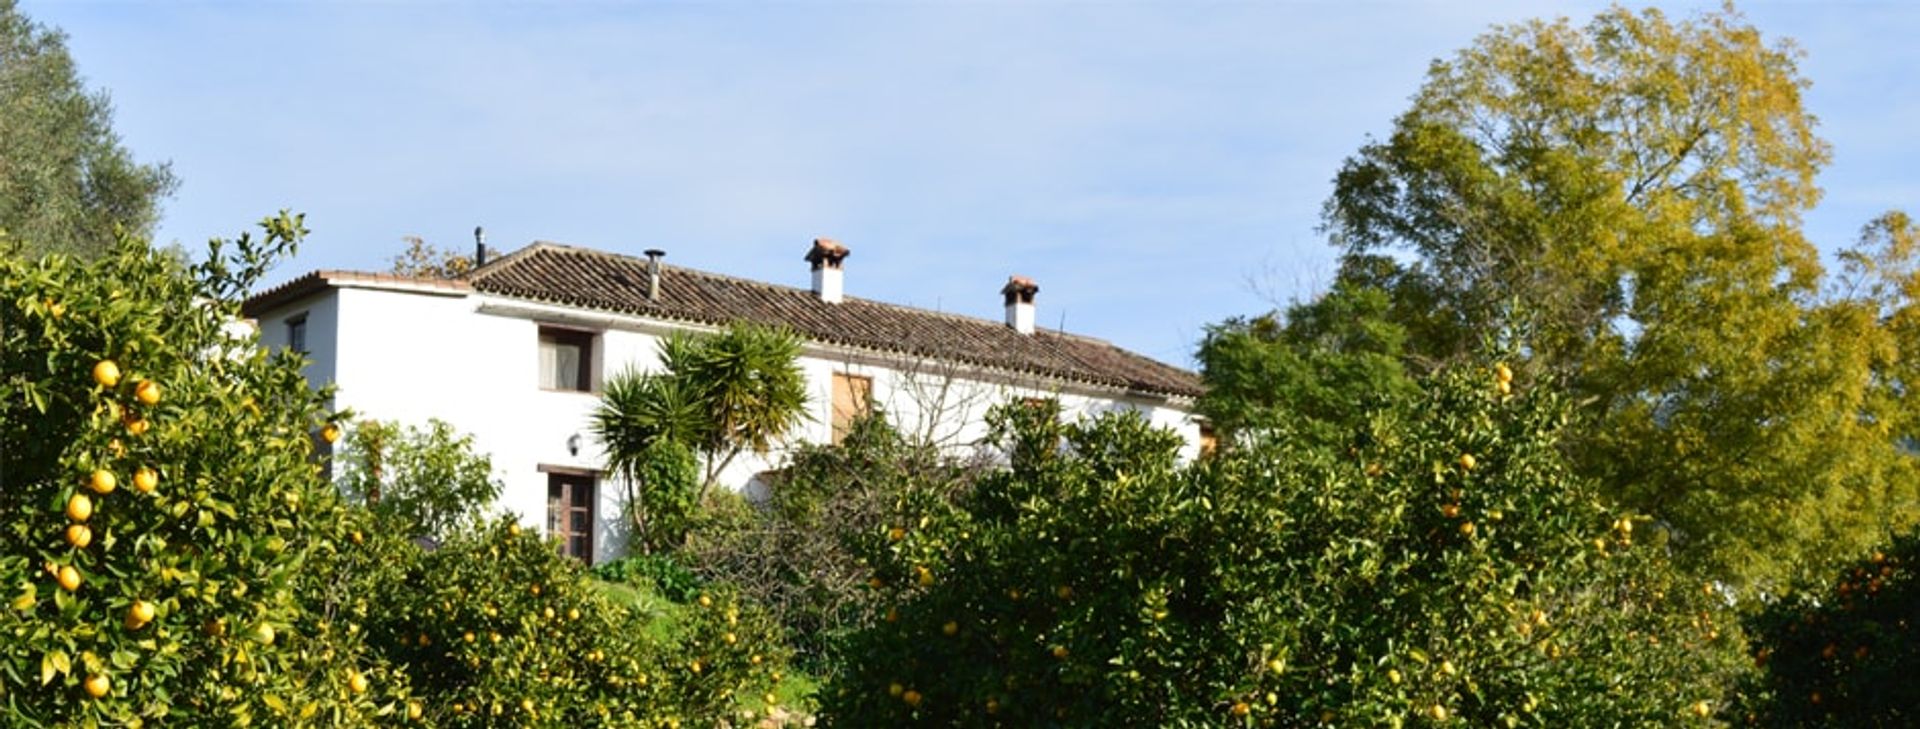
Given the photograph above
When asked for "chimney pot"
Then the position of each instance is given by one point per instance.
(479, 246)
(826, 258)
(1019, 293)
(653, 273)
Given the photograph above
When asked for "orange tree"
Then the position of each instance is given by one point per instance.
(1844, 653)
(497, 629)
(160, 512)
(1438, 565)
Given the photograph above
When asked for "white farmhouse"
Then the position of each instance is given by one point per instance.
(515, 351)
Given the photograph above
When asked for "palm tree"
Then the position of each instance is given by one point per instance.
(748, 380)
(722, 394)
(643, 422)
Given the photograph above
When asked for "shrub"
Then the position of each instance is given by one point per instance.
(496, 628)
(1843, 653)
(1439, 566)
(161, 511)
(796, 554)
(662, 574)
(427, 481)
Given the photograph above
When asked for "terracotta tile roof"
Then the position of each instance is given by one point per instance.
(559, 274)
(317, 280)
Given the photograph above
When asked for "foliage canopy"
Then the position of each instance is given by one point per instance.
(1441, 563)
(1622, 202)
(66, 183)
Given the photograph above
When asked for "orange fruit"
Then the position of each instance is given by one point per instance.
(1240, 708)
(414, 711)
(896, 534)
(1503, 372)
(264, 634)
(138, 426)
(139, 614)
(895, 689)
(147, 392)
(106, 373)
(97, 685)
(330, 433)
(1060, 652)
(145, 480)
(79, 535)
(911, 697)
(356, 682)
(951, 628)
(79, 507)
(103, 481)
(1467, 461)
(68, 577)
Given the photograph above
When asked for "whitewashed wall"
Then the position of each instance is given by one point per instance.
(472, 360)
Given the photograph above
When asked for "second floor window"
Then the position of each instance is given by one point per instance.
(566, 359)
(297, 333)
(852, 398)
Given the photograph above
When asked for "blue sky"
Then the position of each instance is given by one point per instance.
(1154, 166)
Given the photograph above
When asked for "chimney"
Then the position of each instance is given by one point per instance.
(1019, 293)
(479, 246)
(828, 277)
(653, 273)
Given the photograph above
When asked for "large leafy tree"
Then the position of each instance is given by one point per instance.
(1622, 202)
(66, 183)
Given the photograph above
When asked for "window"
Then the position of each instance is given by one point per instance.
(570, 514)
(566, 359)
(852, 398)
(297, 333)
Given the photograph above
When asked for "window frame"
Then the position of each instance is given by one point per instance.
(860, 403)
(588, 343)
(572, 488)
(297, 333)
